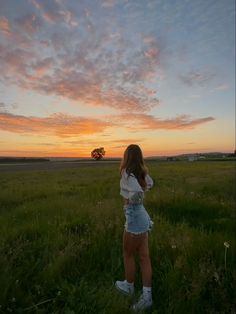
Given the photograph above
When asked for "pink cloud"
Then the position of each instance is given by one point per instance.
(69, 18)
(109, 3)
(29, 23)
(37, 4)
(152, 53)
(14, 63)
(148, 39)
(221, 87)
(56, 13)
(4, 25)
(86, 85)
(89, 72)
(42, 67)
(149, 122)
(48, 16)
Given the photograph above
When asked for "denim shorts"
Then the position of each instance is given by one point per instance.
(137, 219)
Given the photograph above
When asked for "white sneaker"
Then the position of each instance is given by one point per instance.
(143, 303)
(124, 287)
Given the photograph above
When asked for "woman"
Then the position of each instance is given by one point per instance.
(134, 182)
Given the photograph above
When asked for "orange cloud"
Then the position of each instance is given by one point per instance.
(111, 143)
(4, 25)
(64, 125)
(61, 125)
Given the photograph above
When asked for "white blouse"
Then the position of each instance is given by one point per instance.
(131, 189)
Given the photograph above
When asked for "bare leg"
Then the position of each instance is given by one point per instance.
(144, 259)
(129, 248)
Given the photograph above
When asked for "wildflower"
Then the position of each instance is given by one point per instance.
(13, 299)
(173, 246)
(216, 276)
(59, 293)
(226, 244)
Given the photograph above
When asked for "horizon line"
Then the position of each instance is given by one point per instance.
(115, 157)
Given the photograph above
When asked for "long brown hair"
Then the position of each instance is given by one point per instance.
(133, 162)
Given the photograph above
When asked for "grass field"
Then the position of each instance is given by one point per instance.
(61, 239)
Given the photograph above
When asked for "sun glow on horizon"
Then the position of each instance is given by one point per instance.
(76, 76)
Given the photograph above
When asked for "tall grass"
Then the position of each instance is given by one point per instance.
(61, 239)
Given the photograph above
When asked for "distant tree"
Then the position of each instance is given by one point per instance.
(98, 153)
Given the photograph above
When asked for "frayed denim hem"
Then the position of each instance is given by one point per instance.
(138, 220)
(138, 233)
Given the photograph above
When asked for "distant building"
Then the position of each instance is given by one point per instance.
(171, 158)
(192, 158)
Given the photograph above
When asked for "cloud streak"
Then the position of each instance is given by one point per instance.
(58, 124)
(149, 122)
(197, 77)
(64, 125)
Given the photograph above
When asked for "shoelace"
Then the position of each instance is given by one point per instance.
(142, 301)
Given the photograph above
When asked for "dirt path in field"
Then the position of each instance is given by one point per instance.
(51, 165)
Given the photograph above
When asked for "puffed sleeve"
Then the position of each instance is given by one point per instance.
(149, 182)
(131, 189)
(133, 185)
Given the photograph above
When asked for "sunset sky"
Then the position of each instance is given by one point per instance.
(80, 74)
